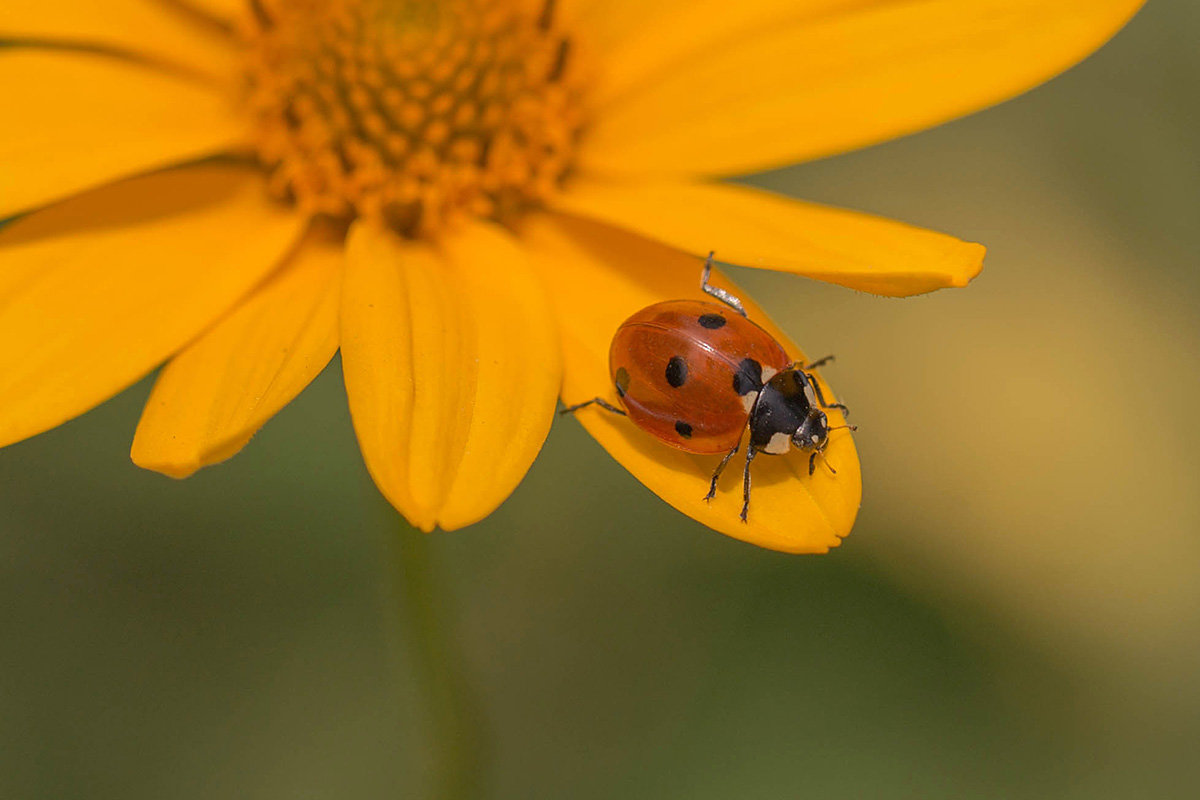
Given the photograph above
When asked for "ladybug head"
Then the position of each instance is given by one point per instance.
(787, 414)
(813, 432)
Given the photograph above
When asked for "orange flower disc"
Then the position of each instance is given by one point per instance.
(411, 111)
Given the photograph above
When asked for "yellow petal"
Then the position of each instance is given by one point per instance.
(754, 228)
(96, 291)
(842, 80)
(224, 12)
(149, 29)
(73, 121)
(598, 276)
(217, 392)
(452, 365)
(639, 39)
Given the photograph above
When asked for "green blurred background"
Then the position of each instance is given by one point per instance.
(1017, 613)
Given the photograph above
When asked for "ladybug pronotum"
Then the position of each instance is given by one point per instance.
(696, 376)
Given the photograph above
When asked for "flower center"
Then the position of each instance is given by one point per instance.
(412, 111)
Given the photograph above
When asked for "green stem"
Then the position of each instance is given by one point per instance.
(454, 718)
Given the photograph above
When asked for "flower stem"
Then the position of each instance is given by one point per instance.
(454, 718)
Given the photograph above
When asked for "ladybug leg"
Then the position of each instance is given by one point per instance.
(812, 463)
(725, 297)
(600, 401)
(821, 395)
(712, 487)
(750, 453)
(824, 460)
(820, 362)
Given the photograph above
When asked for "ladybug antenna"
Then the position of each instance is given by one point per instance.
(812, 462)
(821, 452)
(828, 466)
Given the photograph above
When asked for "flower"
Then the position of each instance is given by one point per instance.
(466, 197)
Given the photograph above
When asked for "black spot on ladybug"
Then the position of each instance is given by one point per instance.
(683, 429)
(712, 321)
(676, 371)
(622, 381)
(748, 378)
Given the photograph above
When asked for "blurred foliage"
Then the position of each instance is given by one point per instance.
(1016, 614)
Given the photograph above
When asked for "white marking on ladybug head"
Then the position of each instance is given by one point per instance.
(768, 373)
(748, 400)
(780, 443)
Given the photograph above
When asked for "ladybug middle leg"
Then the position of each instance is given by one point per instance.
(600, 401)
(728, 298)
(750, 453)
(712, 487)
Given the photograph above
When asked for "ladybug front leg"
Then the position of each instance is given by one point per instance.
(820, 362)
(712, 487)
(750, 453)
(821, 395)
(600, 401)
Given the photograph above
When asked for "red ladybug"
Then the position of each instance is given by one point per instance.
(696, 376)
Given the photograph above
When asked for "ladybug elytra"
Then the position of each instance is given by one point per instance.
(696, 376)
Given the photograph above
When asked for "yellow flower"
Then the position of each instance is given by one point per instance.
(467, 197)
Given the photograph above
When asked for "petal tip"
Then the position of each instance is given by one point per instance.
(452, 524)
(973, 255)
(176, 470)
(166, 457)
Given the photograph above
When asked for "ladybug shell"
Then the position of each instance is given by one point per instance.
(688, 372)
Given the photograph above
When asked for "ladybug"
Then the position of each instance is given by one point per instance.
(696, 376)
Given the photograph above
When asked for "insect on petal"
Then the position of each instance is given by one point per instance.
(789, 511)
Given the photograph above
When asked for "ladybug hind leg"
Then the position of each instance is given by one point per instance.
(728, 298)
(600, 401)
